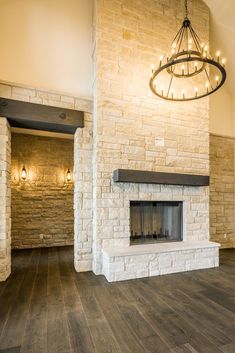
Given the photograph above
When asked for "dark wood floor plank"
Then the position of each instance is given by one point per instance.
(128, 341)
(13, 330)
(193, 311)
(103, 338)
(11, 350)
(35, 337)
(174, 328)
(71, 299)
(46, 307)
(229, 348)
(79, 333)
(57, 330)
(12, 285)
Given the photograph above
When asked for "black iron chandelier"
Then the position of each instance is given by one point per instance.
(189, 72)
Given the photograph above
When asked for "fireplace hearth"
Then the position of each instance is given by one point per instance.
(155, 221)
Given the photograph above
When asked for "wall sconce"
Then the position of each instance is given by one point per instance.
(68, 176)
(23, 173)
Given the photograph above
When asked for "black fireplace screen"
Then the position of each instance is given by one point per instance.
(155, 221)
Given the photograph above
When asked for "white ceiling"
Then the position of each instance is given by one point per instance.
(223, 33)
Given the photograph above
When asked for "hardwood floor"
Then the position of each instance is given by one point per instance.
(46, 307)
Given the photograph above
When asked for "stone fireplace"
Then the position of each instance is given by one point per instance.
(155, 221)
(133, 130)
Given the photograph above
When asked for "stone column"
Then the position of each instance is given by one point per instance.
(5, 200)
(83, 196)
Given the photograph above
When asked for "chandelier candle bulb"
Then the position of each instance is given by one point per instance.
(218, 55)
(182, 68)
(162, 90)
(190, 44)
(217, 80)
(196, 91)
(161, 58)
(207, 87)
(183, 93)
(196, 65)
(172, 94)
(223, 62)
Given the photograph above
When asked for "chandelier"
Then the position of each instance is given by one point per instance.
(189, 72)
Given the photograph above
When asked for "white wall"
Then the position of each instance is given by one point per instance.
(47, 44)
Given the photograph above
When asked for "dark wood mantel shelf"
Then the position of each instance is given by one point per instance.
(147, 177)
(41, 117)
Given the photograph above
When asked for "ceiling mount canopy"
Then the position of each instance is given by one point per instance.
(189, 72)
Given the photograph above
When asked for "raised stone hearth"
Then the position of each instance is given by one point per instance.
(158, 259)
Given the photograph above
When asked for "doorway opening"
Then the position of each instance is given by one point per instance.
(42, 190)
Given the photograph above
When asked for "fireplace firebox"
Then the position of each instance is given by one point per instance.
(156, 221)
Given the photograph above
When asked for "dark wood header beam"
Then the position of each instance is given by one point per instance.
(140, 176)
(41, 117)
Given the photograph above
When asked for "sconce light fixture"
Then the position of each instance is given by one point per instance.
(68, 176)
(23, 173)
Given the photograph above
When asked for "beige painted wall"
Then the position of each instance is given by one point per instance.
(222, 118)
(47, 44)
(221, 113)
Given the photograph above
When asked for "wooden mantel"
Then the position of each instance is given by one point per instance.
(41, 117)
(147, 177)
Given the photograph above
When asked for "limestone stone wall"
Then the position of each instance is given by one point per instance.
(5, 199)
(135, 130)
(83, 202)
(42, 206)
(41, 96)
(222, 190)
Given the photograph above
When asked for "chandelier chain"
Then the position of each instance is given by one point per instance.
(186, 8)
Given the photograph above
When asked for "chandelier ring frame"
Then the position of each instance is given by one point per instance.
(173, 62)
(193, 53)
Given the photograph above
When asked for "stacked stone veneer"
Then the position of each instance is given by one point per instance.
(160, 260)
(222, 190)
(42, 205)
(5, 206)
(83, 203)
(135, 130)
